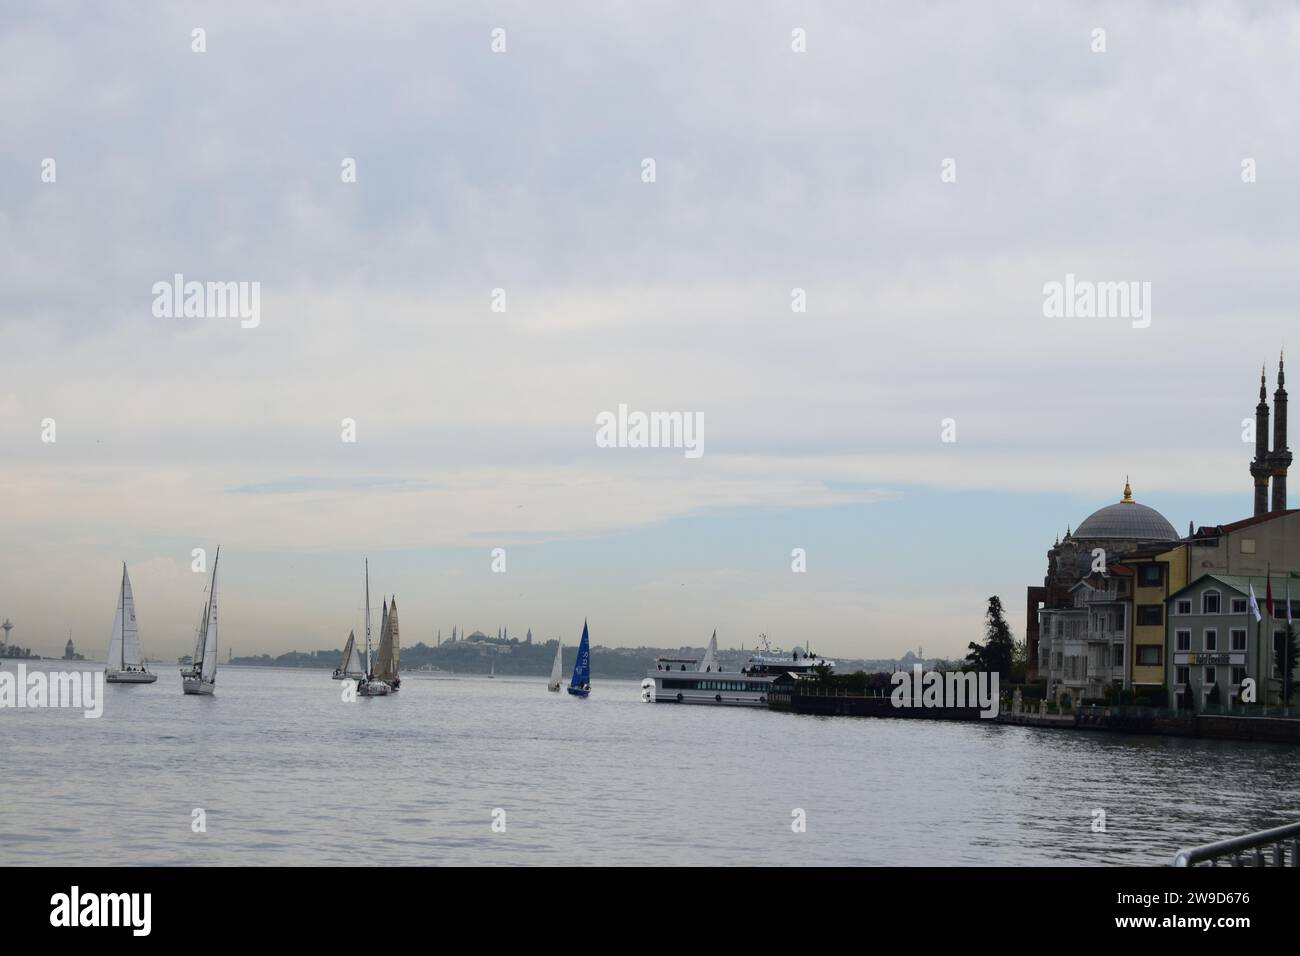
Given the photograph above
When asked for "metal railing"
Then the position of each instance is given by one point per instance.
(1277, 847)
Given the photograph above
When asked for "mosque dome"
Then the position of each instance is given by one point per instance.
(1127, 519)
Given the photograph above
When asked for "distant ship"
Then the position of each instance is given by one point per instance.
(123, 664)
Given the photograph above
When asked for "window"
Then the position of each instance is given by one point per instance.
(1247, 545)
(1151, 575)
(1210, 602)
(1183, 675)
(1238, 675)
(1117, 655)
(1239, 606)
(1211, 676)
(1182, 640)
(1149, 655)
(1211, 638)
(1152, 615)
(1237, 637)
(1279, 641)
(1183, 606)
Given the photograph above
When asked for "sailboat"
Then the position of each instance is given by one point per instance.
(124, 664)
(711, 654)
(350, 663)
(554, 684)
(580, 682)
(201, 677)
(370, 685)
(390, 648)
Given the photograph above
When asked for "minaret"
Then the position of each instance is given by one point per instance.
(1280, 458)
(1259, 468)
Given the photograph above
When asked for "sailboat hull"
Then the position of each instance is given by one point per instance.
(129, 677)
(553, 688)
(579, 691)
(373, 688)
(197, 686)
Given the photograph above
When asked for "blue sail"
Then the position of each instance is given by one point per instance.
(580, 682)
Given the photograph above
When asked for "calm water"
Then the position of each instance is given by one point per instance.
(289, 774)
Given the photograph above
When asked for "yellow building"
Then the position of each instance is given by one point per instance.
(1157, 573)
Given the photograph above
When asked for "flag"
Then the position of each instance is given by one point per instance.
(1268, 594)
(1288, 599)
(1254, 605)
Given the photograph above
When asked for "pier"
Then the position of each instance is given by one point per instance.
(799, 697)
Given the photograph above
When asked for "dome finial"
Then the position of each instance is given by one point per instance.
(1128, 493)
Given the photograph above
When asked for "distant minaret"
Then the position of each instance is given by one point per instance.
(1279, 458)
(8, 626)
(439, 637)
(1259, 468)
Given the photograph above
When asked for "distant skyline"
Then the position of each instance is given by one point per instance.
(523, 172)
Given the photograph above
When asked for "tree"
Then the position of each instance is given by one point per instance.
(1019, 661)
(997, 652)
(1287, 651)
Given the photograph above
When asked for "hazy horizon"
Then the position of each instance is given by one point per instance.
(523, 171)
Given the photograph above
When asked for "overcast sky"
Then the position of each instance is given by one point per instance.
(522, 170)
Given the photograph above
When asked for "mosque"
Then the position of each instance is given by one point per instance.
(1099, 622)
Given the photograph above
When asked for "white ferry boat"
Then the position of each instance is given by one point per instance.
(684, 680)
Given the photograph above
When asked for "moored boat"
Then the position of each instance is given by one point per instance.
(675, 682)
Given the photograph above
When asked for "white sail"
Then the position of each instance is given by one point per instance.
(197, 657)
(208, 670)
(356, 668)
(130, 629)
(114, 659)
(557, 667)
(710, 663)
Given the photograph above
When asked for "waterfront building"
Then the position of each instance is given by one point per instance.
(1080, 634)
(1063, 623)
(1214, 639)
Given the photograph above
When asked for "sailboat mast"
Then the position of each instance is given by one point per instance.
(212, 595)
(121, 602)
(369, 670)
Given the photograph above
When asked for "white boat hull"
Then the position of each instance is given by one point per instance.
(129, 677)
(716, 689)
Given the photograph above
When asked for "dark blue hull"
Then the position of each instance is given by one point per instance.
(578, 691)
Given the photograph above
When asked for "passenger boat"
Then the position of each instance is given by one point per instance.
(681, 680)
